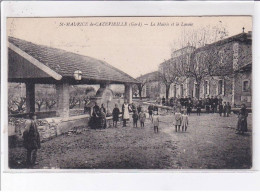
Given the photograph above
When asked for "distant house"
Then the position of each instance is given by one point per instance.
(150, 85)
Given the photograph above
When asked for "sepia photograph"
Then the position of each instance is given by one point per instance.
(130, 92)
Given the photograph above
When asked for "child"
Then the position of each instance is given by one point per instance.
(156, 121)
(142, 117)
(177, 120)
(184, 121)
(135, 118)
(115, 115)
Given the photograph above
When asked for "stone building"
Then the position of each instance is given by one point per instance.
(150, 85)
(181, 59)
(230, 61)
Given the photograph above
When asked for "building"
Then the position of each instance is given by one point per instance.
(230, 61)
(180, 59)
(150, 85)
(223, 69)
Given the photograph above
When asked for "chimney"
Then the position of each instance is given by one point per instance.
(249, 34)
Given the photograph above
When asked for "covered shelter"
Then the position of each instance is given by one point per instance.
(32, 64)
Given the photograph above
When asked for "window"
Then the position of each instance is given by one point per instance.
(220, 87)
(220, 90)
(181, 90)
(174, 90)
(206, 87)
(246, 86)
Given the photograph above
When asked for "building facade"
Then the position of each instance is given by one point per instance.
(230, 77)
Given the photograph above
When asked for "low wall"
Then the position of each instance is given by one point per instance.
(48, 128)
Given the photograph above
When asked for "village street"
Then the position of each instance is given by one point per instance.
(209, 143)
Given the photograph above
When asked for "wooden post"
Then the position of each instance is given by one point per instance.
(30, 97)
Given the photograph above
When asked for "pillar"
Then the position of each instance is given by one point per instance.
(233, 91)
(30, 97)
(63, 96)
(128, 93)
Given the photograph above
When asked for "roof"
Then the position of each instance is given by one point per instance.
(152, 76)
(61, 64)
(242, 37)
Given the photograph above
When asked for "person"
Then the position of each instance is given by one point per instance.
(163, 101)
(207, 104)
(103, 122)
(133, 107)
(156, 122)
(216, 104)
(177, 120)
(220, 100)
(150, 111)
(139, 108)
(94, 121)
(242, 120)
(135, 118)
(115, 114)
(87, 108)
(155, 108)
(178, 105)
(125, 112)
(228, 109)
(171, 102)
(225, 109)
(189, 107)
(199, 105)
(103, 109)
(31, 140)
(142, 117)
(184, 121)
(220, 109)
(212, 104)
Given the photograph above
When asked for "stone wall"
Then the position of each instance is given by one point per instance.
(240, 95)
(48, 128)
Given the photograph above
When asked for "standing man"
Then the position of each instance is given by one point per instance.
(216, 104)
(199, 105)
(125, 112)
(31, 138)
(207, 104)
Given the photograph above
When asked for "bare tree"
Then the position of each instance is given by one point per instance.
(203, 61)
(168, 75)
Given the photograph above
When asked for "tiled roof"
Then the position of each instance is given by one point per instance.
(153, 76)
(66, 63)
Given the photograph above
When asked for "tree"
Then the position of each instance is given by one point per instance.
(168, 75)
(20, 103)
(140, 86)
(203, 61)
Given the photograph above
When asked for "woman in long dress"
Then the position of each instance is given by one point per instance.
(242, 120)
(125, 112)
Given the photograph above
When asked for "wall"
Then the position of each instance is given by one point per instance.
(240, 96)
(48, 128)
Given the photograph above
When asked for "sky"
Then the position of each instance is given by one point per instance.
(135, 45)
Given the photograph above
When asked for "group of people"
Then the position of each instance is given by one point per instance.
(138, 114)
(32, 137)
(211, 105)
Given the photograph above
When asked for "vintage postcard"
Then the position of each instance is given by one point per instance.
(130, 92)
